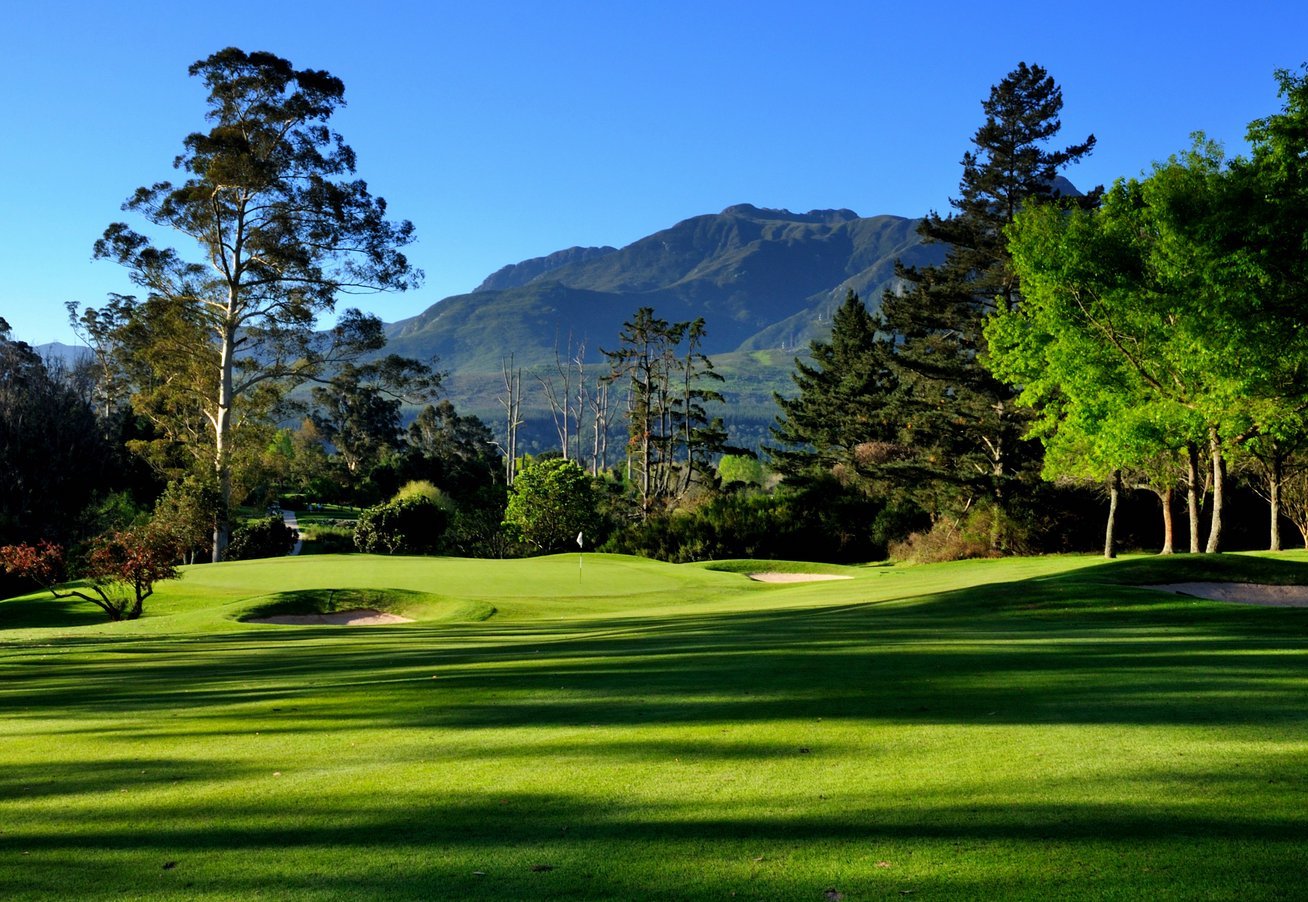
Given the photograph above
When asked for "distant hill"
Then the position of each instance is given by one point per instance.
(761, 278)
(68, 355)
(766, 282)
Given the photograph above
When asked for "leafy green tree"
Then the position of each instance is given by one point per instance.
(743, 469)
(455, 451)
(281, 226)
(961, 424)
(408, 525)
(550, 502)
(186, 511)
(358, 410)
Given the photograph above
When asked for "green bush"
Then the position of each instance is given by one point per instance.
(269, 537)
(412, 525)
(422, 488)
(550, 502)
(981, 532)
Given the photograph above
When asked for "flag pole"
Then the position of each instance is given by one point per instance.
(579, 550)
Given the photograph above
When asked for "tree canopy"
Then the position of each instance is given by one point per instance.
(278, 227)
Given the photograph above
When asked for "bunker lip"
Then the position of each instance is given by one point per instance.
(355, 617)
(774, 577)
(1242, 593)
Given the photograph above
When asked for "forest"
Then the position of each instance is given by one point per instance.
(1125, 367)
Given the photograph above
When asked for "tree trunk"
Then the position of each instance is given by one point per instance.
(1219, 479)
(222, 427)
(1274, 475)
(1165, 496)
(1114, 489)
(1192, 494)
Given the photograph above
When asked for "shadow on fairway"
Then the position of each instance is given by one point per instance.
(1076, 648)
(529, 845)
(1045, 650)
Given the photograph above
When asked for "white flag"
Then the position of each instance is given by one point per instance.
(579, 540)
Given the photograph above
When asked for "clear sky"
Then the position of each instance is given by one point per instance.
(506, 130)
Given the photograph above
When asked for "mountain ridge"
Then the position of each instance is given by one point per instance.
(762, 278)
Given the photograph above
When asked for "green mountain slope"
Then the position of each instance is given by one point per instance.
(764, 280)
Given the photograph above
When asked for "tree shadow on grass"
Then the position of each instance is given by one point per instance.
(425, 844)
(653, 695)
(1045, 650)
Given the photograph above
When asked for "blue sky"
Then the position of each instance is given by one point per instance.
(508, 130)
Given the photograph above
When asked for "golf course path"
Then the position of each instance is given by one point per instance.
(1243, 593)
(289, 518)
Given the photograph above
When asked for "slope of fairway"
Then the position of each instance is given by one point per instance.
(1033, 728)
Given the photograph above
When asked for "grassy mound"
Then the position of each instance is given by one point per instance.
(402, 602)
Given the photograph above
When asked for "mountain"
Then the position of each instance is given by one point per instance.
(67, 355)
(766, 282)
(761, 278)
(518, 274)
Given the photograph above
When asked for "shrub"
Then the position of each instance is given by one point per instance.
(404, 526)
(422, 488)
(981, 532)
(269, 537)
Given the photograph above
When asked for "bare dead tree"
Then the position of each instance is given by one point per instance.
(511, 401)
(599, 409)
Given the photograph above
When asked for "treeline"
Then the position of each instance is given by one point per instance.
(1070, 349)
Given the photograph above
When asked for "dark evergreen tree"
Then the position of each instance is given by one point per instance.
(960, 426)
(53, 455)
(838, 424)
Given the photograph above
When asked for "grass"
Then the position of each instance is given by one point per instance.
(1034, 728)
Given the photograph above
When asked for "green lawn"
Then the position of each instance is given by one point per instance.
(1032, 728)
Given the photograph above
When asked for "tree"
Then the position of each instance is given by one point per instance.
(358, 410)
(671, 437)
(53, 455)
(120, 569)
(455, 451)
(282, 227)
(186, 511)
(960, 421)
(1172, 299)
(840, 412)
(551, 502)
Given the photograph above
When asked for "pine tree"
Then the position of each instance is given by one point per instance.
(838, 424)
(959, 423)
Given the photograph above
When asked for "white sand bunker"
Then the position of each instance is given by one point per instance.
(356, 617)
(1243, 593)
(794, 577)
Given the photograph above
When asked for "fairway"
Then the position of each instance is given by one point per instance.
(1031, 728)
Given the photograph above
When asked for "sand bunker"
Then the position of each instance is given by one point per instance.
(794, 577)
(1243, 593)
(356, 617)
